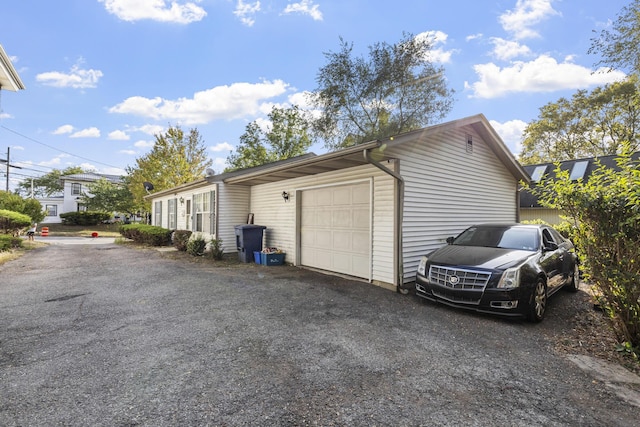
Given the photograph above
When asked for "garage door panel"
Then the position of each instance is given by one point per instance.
(337, 237)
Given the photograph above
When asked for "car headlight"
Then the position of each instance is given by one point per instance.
(510, 278)
(423, 266)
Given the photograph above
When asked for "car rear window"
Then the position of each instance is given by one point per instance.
(499, 237)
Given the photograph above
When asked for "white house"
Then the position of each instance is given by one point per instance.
(74, 186)
(369, 211)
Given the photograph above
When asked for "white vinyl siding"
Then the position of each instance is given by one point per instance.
(448, 189)
(280, 216)
(233, 209)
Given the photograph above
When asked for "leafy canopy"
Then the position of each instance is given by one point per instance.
(287, 135)
(15, 203)
(176, 158)
(619, 45)
(396, 89)
(590, 124)
(104, 195)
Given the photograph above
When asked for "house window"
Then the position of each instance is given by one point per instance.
(538, 173)
(188, 213)
(204, 212)
(157, 211)
(172, 214)
(469, 144)
(52, 210)
(578, 170)
(76, 189)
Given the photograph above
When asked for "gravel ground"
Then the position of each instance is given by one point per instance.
(107, 335)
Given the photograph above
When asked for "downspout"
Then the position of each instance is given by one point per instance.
(398, 215)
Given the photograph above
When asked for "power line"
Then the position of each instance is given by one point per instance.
(57, 149)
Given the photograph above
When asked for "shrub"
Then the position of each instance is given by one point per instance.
(15, 203)
(605, 226)
(146, 234)
(180, 239)
(84, 218)
(11, 222)
(9, 242)
(196, 245)
(216, 250)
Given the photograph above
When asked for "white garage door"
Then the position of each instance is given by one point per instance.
(335, 233)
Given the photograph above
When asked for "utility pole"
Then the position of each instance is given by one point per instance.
(9, 165)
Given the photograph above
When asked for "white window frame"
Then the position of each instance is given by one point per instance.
(203, 212)
(157, 212)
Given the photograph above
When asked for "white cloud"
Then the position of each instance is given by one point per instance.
(526, 14)
(473, 37)
(63, 130)
(6, 116)
(305, 7)
(129, 152)
(144, 144)
(118, 135)
(222, 102)
(55, 161)
(77, 78)
(506, 49)
(223, 146)
(437, 53)
(544, 74)
(246, 12)
(219, 163)
(155, 10)
(92, 132)
(148, 129)
(511, 133)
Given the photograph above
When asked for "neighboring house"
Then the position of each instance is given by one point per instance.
(74, 186)
(370, 211)
(530, 207)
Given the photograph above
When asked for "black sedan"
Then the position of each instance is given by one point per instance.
(510, 269)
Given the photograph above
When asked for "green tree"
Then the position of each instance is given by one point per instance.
(397, 89)
(104, 195)
(288, 135)
(605, 216)
(590, 124)
(15, 203)
(619, 46)
(176, 158)
(47, 185)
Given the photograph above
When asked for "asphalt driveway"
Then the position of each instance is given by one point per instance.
(106, 335)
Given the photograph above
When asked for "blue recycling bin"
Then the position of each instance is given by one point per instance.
(248, 240)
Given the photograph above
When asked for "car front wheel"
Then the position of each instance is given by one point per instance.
(538, 302)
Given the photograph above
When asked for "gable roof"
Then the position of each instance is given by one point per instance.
(91, 177)
(580, 168)
(354, 156)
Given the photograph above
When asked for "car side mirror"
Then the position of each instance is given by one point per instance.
(450, 240)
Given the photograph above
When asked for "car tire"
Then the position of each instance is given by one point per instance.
(574, 283)
(538, 302)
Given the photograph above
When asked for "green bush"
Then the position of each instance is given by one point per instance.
(84, 218)
(9, 242)
(12, 222)
(196, 245)
(29, 207)
(180, 239)
(216, 251)
(146, 234)
(604, 214)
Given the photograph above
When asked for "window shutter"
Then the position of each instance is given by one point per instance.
(212, 212)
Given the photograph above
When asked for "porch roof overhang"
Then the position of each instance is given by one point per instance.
(9, 78)
(342, 159)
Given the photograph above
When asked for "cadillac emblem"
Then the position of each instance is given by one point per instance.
(454, 280)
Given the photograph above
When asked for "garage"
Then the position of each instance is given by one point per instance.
(335, 228)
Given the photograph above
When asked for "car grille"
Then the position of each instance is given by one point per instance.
(459, 279)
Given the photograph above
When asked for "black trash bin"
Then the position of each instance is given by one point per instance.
(248, 240)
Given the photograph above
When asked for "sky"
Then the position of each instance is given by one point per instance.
(103, 77)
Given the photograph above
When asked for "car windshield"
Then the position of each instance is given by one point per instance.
(499, 237)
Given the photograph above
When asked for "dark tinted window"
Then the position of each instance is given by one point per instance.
(499, 237)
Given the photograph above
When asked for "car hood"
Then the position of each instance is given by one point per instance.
(479, 257)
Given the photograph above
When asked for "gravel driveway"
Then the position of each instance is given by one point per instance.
(107, 335)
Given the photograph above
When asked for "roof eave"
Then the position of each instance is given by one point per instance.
(9, 78)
